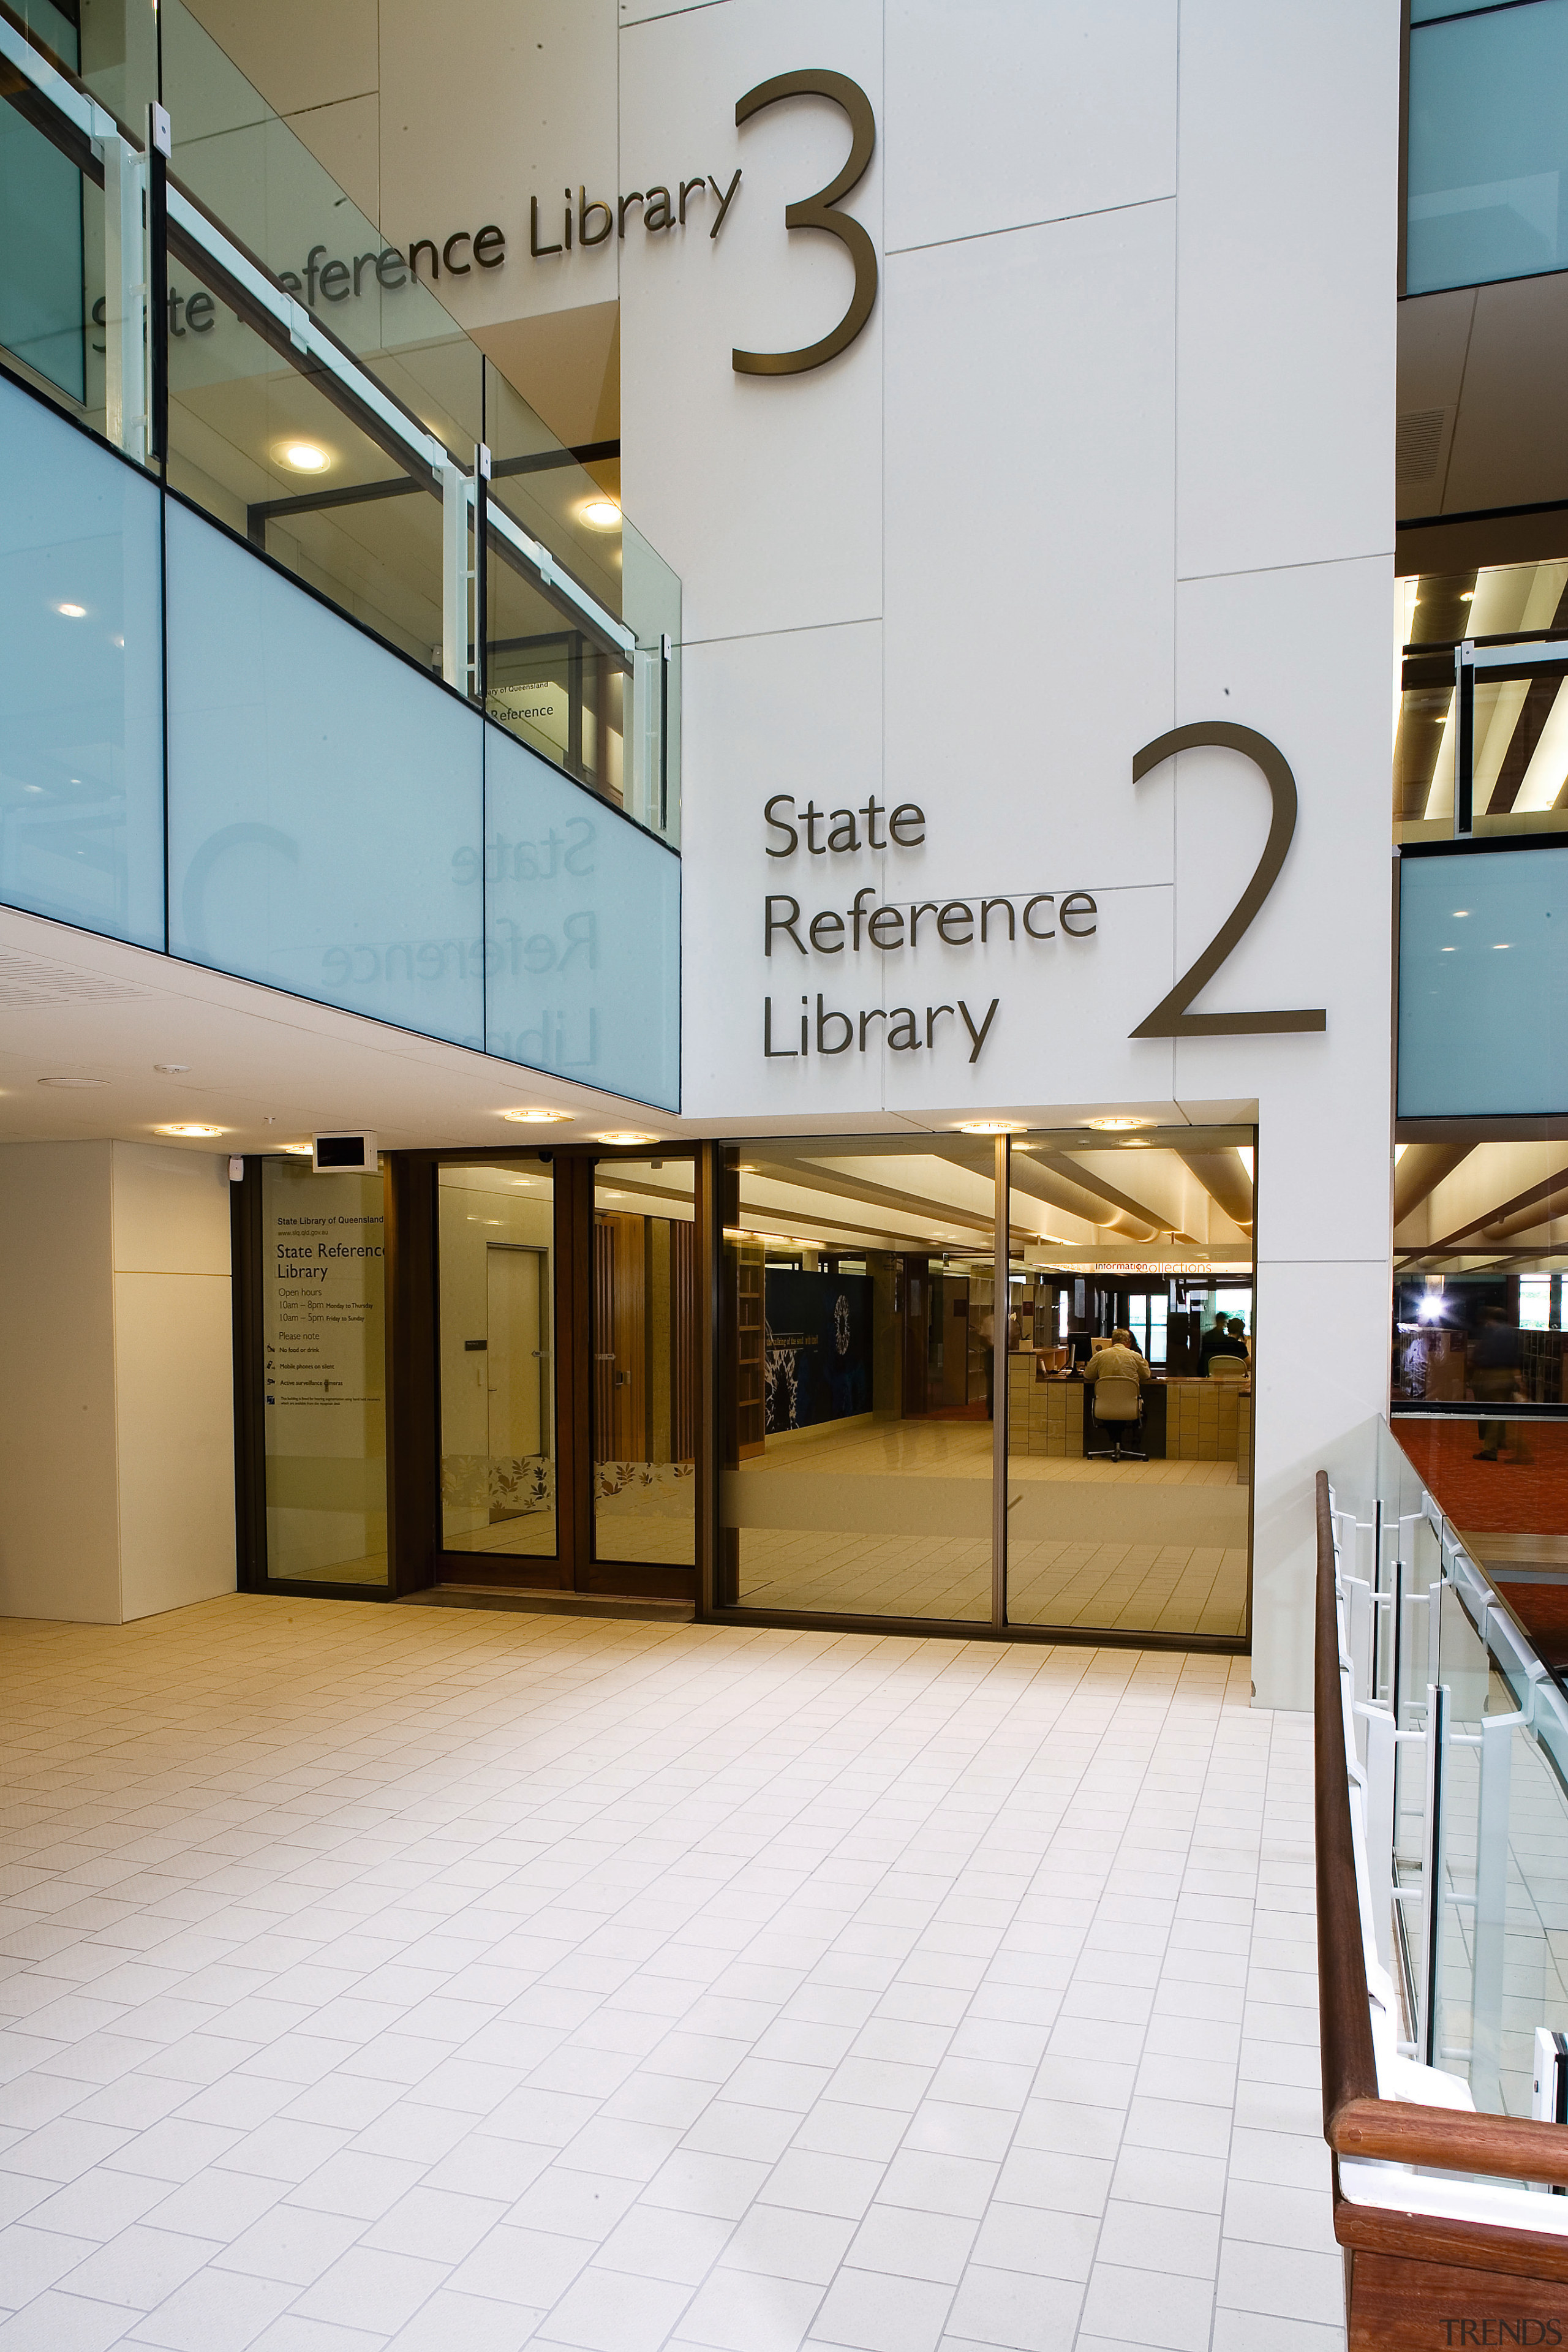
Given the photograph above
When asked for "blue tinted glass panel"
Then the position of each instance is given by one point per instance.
(41, 294)
(1489, 147)
(81, 755)
(583, 927)
(325, 800)
(1483, 985)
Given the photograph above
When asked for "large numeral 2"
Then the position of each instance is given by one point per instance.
(1169, 1017)
(816, 212)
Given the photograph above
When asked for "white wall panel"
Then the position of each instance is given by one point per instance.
(170, 1209)
(1288, 187)
(1006, 111)
(1031, 492)
(1320, 1328)
(798, 713)
(58, 1494)
(1296, 655)
(174, 1353)
(763, 491)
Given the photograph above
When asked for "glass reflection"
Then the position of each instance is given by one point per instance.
(496, 1236)
(645, 1363)
(859, 1287)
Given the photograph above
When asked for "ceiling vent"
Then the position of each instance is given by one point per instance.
(24, 982)
(1418, 444)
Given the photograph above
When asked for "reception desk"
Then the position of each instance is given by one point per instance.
(1183, 1420)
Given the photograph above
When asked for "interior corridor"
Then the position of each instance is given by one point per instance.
(383, 1975)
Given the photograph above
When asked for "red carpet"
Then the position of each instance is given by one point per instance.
(1543, 1611)
(1504, 1497)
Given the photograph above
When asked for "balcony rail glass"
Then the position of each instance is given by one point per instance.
(205, 297)
(1460, 1734)
(1439, 1820)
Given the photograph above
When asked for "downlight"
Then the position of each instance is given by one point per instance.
(600, 514)
(1117, 1125)
(304, 457)
(624, 1135)
(989, 1126)
(535, 1118)
(190, 1128)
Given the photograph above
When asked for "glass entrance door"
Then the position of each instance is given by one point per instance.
(645, 1363)
(496, 1250)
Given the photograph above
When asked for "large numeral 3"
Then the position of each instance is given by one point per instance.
(1169, 1017)
(816, 212)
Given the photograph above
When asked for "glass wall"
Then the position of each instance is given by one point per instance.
(1483, 982)
(858, 1287)
(859, 1394)
(325, 1375)
(1480, 1402)
(1488, 170)
(82, 734)
(645, 1352)
(1508, 776)
(495, 1254)
(1141, 1522)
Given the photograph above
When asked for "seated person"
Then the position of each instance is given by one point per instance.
(1232, 1341)
(1217, 1335)
(1119, 1361)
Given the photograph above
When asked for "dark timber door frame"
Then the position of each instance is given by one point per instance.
(418, 1557)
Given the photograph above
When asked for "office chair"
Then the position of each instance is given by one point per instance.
(1116, 1404)
(1229, 1368)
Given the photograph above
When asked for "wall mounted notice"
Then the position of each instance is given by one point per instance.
(325, 1375)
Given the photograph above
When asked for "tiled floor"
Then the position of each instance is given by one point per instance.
(456, 1982)
(893, 1518)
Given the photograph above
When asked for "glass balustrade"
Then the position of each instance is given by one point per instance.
(1461, 1729)
(257, 341)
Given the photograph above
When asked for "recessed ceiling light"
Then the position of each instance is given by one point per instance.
(1115, 1125)
(535, 1118)
(189, 1127)
(600, 514)
(300, 1150)
(172, 1069)
(72, 612)
(989, 1126)
(73, 1081)
(304, 457)
(624, 1135)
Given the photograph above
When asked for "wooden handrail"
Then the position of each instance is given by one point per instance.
(1356, 2122)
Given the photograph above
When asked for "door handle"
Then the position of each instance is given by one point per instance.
(537, 1352)
(607, 1358)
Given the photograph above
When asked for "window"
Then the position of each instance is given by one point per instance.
(1488, 143)
(1535, 1302)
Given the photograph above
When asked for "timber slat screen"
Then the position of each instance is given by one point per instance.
(1412, 2279)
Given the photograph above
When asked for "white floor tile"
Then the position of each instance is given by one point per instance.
(638, 1989)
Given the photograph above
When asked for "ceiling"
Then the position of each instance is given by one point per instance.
(1481, 425)
(1499, 1207)
(267, 1068)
